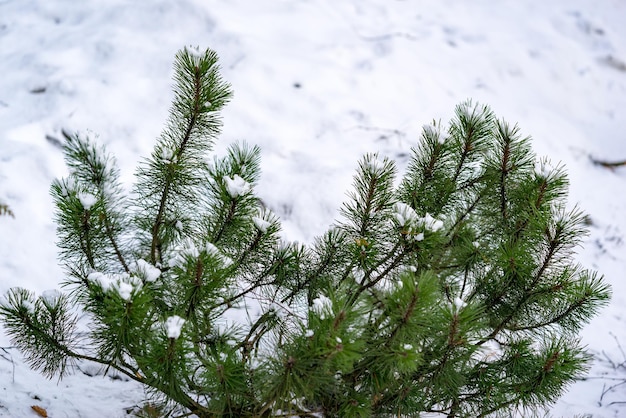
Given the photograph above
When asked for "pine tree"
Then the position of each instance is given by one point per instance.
(454, 293)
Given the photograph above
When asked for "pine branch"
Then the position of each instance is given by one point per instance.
(158, 222)
(470, 130)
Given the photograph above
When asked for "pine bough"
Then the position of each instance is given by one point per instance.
(454, 293)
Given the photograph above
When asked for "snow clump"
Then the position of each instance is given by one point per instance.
(459, 303)
(261, 224)
(211, 249)
(166, 155)
(321, 303)
(431, 223)
(194, 50)
(236, 186)
(125, 290)
(404, 214)
(105, 281)
(490, 351)
(184, 250)
(123, 283)
(87, 200)
(146, 270)
(50, 297)
(174, 326)
(375, 164)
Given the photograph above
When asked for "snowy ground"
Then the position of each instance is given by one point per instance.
(317, 83)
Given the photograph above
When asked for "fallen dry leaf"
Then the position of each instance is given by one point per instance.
(40, 411)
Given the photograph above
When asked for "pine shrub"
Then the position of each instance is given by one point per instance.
(454, 293)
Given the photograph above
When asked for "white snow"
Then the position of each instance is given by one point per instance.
(432, 131)
(173, 326)
(490, 351)
(146, 270)
(431, 223)
(103, 280)
(309, 333)
(50, 296)
(212, 249)
(87, 200)
(226, 261)
(376, 164)
(400, 219)
(195, 51)
(459, 303)
(166, 155)
(436, 225)
(321, 304)
(261, 224)
(125, 290)
(27, 303)
(119, 282)
(543, 167)
(404, 214)
(184, 250)
(369, 73)
(236, 186)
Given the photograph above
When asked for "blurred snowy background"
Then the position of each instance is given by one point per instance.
(317, 83)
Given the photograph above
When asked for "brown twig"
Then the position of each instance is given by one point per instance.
(608, 164)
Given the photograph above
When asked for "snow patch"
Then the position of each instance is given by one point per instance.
(404, 214)
(459, 303)
(375, 164)
(236, 186)
(194, 51)
(173, 326)
(430, 223)
(125, 290)
(51, 297)
(146, 270)
(101, 279)
(87, 200)
(321, 304)
(108, 281)
(490, 351)
(212, 250)
(166, 155)
(186, 249)
(261, 224)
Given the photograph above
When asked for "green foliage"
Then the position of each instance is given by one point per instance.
(5, 210)
(454, 293)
